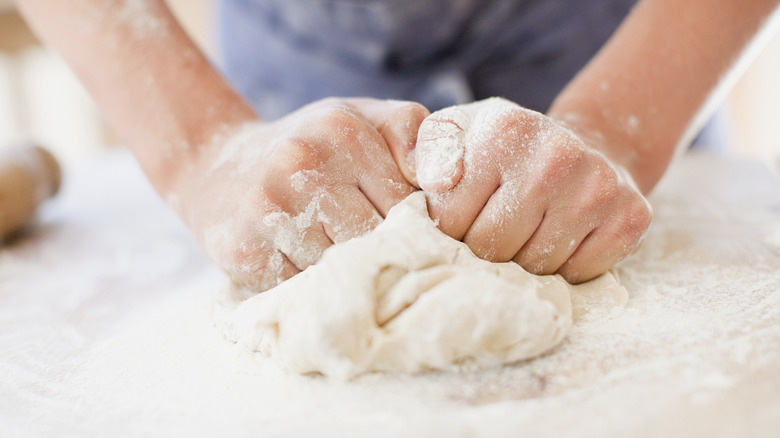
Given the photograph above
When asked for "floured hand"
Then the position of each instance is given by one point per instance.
(517, 185)
(267, 201)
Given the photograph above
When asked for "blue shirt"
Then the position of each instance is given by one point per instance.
(282, 54)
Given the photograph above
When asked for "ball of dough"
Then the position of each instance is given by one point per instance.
(405, 297)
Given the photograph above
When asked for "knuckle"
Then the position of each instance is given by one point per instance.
(564, 155)
(598, 191)
(570, 272)
(507, 118)
(512, 119)
(260, 275)
(531, 259)
(484, 244)
(634, 225)
(291, 156)
(559, 163)
(605, 184)
(250, 260)
(579, 275)
(443, 211)
(505, 135)
(341, 128)
(639, 215)
(643, 211)
(338, 116)
(532, 265)
(414, 110)
(584, 267)
(234, 250)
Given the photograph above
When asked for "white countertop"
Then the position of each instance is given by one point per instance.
(106, 330)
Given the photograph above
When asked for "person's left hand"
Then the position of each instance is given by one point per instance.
(517, 185)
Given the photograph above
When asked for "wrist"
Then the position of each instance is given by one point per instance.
(622, 140)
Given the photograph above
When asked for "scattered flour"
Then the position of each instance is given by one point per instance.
(106, 329)
(632, 124)
(291, 234)
(138, 16)
(237, 147)
(773, 237)
(303, 180)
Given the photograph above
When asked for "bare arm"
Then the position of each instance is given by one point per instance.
(563, 192)
(654, 84)
(151, 81)
(235, 180)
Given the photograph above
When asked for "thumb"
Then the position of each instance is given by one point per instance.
(440, 149)
(398, 122)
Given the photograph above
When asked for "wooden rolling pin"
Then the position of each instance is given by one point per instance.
(28, 176)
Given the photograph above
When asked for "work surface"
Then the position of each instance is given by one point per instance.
(106, 329)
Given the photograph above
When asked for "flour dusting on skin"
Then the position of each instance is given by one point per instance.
(237, 148)
(142, 22)
(292, 234)
(631, 125)
(497, 143)
(304, 180)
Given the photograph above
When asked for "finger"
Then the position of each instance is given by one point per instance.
(598, 252)
(347, 213)
(307, 249)
(553, 243)
(266, 272)
(400, 133)
(456, 210)
(385, 192)
(301, 238)
(380, 179)
(247, 256)
(398, 122)
(506, 222)
(612, 241)
(441, 148)
(356, 153)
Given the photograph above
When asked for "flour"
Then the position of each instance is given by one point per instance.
(106, 329)
(239, 147)
(773, 237)
(304, 180)
(292, 234)
(142, 21)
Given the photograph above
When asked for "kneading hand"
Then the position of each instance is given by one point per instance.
(517, 185)
(266, 201)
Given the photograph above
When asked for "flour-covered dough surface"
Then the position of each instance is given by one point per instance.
(405, 297)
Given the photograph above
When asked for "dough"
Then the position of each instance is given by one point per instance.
(405, 297)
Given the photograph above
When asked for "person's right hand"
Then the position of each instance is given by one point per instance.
(266, 202)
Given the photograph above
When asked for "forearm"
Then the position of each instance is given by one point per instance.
(654, 83)
(155, 87)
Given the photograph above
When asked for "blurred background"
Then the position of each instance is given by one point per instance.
(41, 99)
